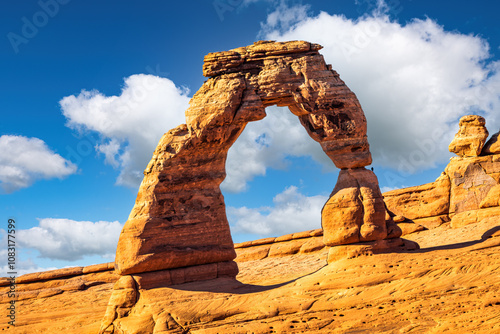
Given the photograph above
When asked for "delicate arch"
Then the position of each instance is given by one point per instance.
(179, 217)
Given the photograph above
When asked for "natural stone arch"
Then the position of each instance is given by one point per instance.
(179, 217)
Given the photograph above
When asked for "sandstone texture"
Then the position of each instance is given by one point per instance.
(449, 285)
(471, 180)
(355, 211)
(431, 199)
(471, 136)
(179, 217)
(492, 146)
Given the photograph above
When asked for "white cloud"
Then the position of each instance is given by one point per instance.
(71, 240)
(292, 212)
(25, 160)
(283, 18)
(414, 80)
(266, 144)
(21, 267)
(131, 124)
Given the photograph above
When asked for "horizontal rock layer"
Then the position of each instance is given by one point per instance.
(431, 199)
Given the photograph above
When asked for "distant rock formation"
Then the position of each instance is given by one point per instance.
(467, 190)
(492, 146)
(470, 138)
(179, 217)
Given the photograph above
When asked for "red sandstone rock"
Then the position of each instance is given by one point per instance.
(51, 274)
(370, 248)
(468, 185)
(300, 290)
(492, 198)
(473, 216)
(179, 216)
(355, 211)
(492, 146)
(252, 253)
(399, 219)
(122, 300)
(470, 182)
(281, 246)
(431, 199)
(409, 228)
(471, 136)
(393, 230)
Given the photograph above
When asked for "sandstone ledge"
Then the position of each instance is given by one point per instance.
(217, 63)
(59, 273)
(293, 236)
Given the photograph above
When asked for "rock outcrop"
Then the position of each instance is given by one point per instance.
(428, 200)
(179, 217)
(295, 243)
(470, 138)
(492, 146)
(471, 180)
(466, 192)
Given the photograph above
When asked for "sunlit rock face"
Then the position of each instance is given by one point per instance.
(471, 136)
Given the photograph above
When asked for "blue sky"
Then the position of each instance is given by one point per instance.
(89, 87)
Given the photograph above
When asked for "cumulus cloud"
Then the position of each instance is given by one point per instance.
(71, 240)
(130, 124)
(267, 144)
(21, 266)
(414, 80)
(292, 212)
(25, 160)
(283, 18)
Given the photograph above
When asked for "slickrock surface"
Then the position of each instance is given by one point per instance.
(471, 136)
(449, 285)
(179, 217)
(58, 301)
(428, 200)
